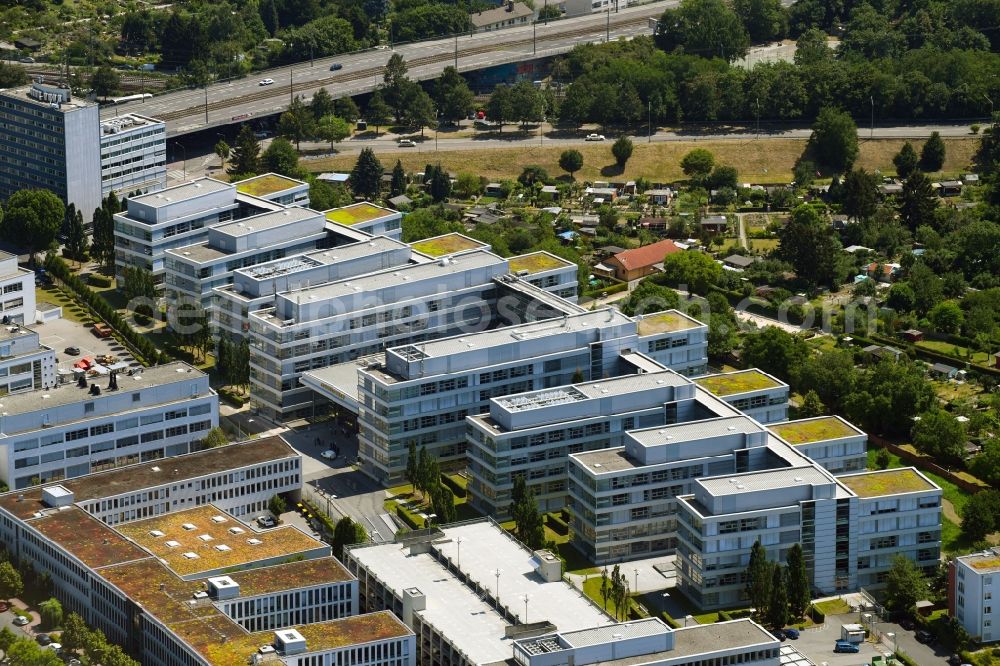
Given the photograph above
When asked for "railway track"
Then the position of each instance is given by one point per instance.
(283, 90)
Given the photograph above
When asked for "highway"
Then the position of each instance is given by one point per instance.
(191, 110)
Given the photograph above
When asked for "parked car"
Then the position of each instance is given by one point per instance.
(336, 67)
(595, 137)
(845, 646)
(43, 639)
(778, 633)
(924, 636)
(21, 620)
(102, 330)
(27, 60)
(72, 351)
(329, 455)
(266, 521)
(407, 143)
(791, 632)
(906, 623)
(55, 647)
(265, 82)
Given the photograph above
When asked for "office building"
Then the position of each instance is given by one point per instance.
(25, 363)
(17, 291)
(369, 218)
(462, 589)
(133, 156)
(675, 340)
(276, 188)
(827, 440)
(50, 139)
(74, 429)
(753, 392)
(191, 584)
(549, 272)
(970, 593)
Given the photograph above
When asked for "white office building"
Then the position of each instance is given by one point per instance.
(25, 363)
(17, 292)
(275, 188)
(827, 440)
(150, 555)
(972, 580)
(71, 430)
(753, 392)
(369, 218)
(133, 156)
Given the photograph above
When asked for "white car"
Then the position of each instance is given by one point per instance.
(329, 455)
(407, 143)
(21, 620)
(265, 82)
(55, 647)
(595, 137)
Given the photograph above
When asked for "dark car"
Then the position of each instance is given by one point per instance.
(336, 67)
(845, 646)
(791, 632)
(72, 351)
(924, 636)
(906, 623)
(778, 633)
(43, 639)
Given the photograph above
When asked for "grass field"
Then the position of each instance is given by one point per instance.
(981, 358)
(762, 161)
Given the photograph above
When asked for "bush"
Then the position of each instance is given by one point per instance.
(905, 659)
(818, 616)
(453, 485)
(671, 622)
(556, 524)
(724, 616)
(98, 280)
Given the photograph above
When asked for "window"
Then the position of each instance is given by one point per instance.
(102, 429)
(74, 435)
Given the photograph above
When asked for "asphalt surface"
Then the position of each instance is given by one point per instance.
(185, 110)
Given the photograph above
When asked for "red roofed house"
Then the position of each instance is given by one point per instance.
(640, 262)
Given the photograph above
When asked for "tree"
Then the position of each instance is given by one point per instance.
(321, 104)
(216, 437)
(706, 28)
(946, 317)
(622, 150)
(605, 587)
(777, 605)
(395, 81)
(900, 297)
(453, 96)
(764, 20)
(76, 238)
(32, 219)
(398, 184)
(366, 177)
(105, 81)
(440, 186)
(888, 396)
(986, 465)
(25, 652)
(344, 107)
(723, 327)
(468, 185)
(905, 160)
(500, 107)
(524, 511)
(246, 155)
(528, 102)
(774, 351)
(918, 201)
(571, 161)
(904, 586)
(11, 584)
(932, 154)
(377, 112)
(333, 129)
(696, 270)
(347, 533)
(940, 435)
(277, 505)
(758, 579)
(7, 638)
(835, 139)
(811, 405)
(797, 581)
(859, 196)
(809, 243)
(410, 474)
(927, 287)
(51, 612)
(281, 157)
(419, 108)
(723, 176)
(980, 515)
(882, 459)
(297, 123)
(697, 164)
(222, 150)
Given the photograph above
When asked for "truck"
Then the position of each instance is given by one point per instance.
(102, 330)
(852, 633)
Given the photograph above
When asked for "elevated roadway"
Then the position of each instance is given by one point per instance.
(192, 110)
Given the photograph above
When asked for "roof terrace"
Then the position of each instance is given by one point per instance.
(666, 322)
(536, 262)
(440, 246)
(88, 539)
(887, 482)
(820, 429)
(269, 183)
(357, 213)
(734, 383)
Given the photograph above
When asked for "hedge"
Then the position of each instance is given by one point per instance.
(905, 659)
(556, 524)
(600, 291)
(453, 485)
(671, 622)
(144, 350)
(724, 616)
(408, 518)
(98, 280)
(818, 616)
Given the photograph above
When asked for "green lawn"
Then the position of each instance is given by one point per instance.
(592, 588)
(833, 607)
(71, 309)
(980, 358)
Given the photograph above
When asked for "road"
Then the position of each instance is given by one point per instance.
(220, 104)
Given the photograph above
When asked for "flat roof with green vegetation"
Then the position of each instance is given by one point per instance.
(886, 482)
(981, 562)
(666, 322)
(808, 431)
(447, 244)
(536, 262)
(269, 183)
(732, 383)
(356, 213)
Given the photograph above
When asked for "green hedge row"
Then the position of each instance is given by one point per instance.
(556, 524)
(98, 280)
(144, 350)
(600, 291)
(453, 485)
(818, 616)
(905, 659)
(412, 521)
(671, 622)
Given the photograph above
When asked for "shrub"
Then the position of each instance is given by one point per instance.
(98, 280)
(671, 622)
(453, 485)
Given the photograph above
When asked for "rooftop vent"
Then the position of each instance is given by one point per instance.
(188, 526)
(206, 537)
(172, 544)
(223, 587)
(289, 642)
(190, 556)
(155, 533)
(218, 519)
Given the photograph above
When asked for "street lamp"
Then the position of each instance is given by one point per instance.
(636, 588)
(458, 558)
(497, 572)
(525, 598)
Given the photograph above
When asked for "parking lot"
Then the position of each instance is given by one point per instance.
(63, 333)
(817, 645)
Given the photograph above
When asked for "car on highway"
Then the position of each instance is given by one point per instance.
(382, 47)
(407, 143)
(791, 632)
(21, 620)
(595, 137)
(336, 67)
(329, 455)
(845, 646)
(265, 82)
(72, 351)
(27, 60)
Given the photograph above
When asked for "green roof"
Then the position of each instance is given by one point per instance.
(356, 213)
(813, 430)
(886, 482)
(732, 383)
(266, 184)
(536, 262)
(447, 244)
(665, 322)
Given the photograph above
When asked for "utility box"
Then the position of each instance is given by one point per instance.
(853, 633)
